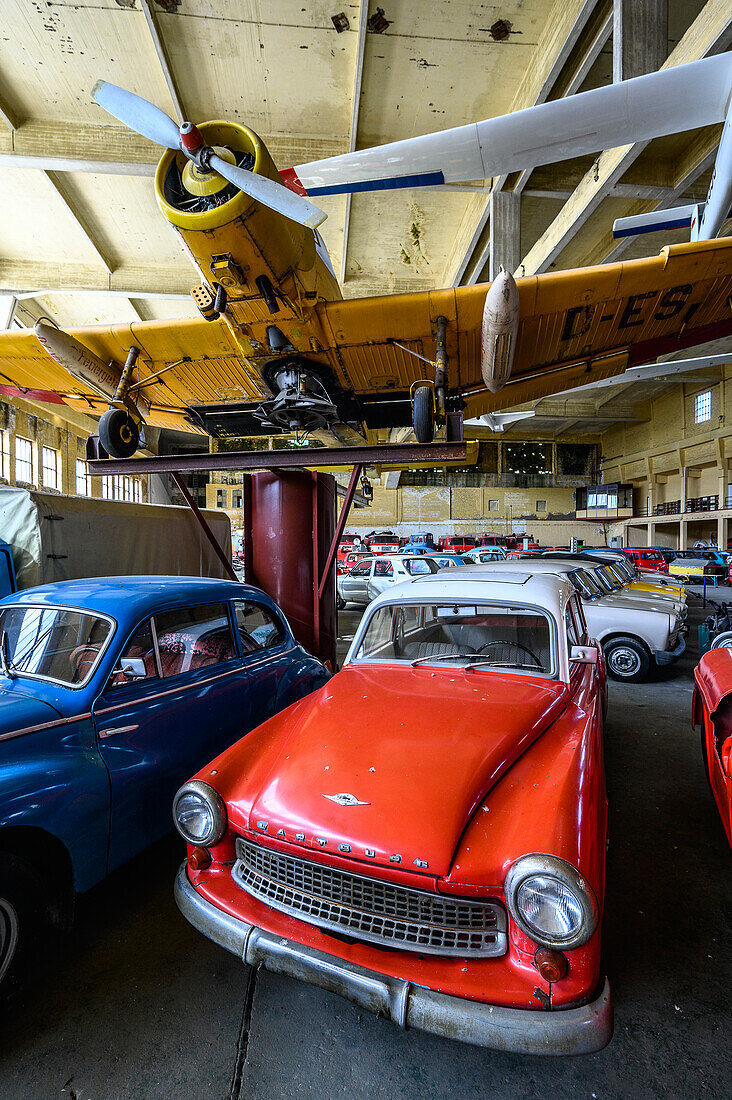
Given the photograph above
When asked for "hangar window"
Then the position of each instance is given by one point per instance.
(493, 505)
(541, 506)
(703, 407)
(106, 487)
(50, 468)
(83, 480)
(23, 460)
(5, 455)
(137, 490)
(193, 638)
(258, 627)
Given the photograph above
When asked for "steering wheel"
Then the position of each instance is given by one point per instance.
(511, 646)
(76, 655)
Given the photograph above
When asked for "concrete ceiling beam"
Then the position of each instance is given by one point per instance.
(163, 60)
(566, 21)
(363, 15)
(28, 279)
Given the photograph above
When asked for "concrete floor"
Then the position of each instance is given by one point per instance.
(141, 1006)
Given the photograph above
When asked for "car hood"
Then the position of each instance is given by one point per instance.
(414, 752)
(644, 603)
(19, 711)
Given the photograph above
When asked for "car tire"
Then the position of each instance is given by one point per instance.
(626, 660)
(423, 415)
(21, 906)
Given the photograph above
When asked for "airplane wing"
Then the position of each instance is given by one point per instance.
(197, 362)
(575, 327)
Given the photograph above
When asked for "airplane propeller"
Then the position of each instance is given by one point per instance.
(149, 121)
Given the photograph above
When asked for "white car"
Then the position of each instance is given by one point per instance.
(479, 555)
(633, 637)
(374, 575)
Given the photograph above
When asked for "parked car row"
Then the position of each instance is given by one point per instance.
(423, 832)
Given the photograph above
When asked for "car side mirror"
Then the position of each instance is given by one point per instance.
(583, 655)
(133, 668)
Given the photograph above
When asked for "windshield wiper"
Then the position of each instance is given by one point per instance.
(505, 664)
(6, 666)
(443, 657)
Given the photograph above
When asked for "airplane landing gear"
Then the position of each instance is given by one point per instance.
(118, 433)
(423, 414)
(119, 426)
(429, 399)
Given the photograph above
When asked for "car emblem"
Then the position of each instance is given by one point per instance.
(370, 853)
(321, 841)
(344, 847)
(344, 799)
(281, 832)
(263, 825)
(395, 859)
(421, 863)
(299, 836)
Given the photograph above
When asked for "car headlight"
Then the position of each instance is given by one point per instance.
(199, 814)
(550, 901)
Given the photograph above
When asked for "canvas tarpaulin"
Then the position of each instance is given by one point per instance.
(58, 538)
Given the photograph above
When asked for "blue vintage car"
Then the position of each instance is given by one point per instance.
(112, 692)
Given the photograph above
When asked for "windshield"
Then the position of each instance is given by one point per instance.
(53, 643)
(485, 635)
(585, 584)
(419, 567)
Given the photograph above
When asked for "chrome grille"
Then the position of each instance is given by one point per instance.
(370, 909)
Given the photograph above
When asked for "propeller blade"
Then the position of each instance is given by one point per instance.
(142, 117)
(669, 101)
(269, 193)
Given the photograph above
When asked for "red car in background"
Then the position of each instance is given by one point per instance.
(712, 710)
(455, 544)
(647, 559)
(426, 834)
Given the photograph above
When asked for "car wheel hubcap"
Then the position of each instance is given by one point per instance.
(8, 935)
(624, 661)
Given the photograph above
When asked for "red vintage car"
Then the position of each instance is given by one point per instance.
(426, 834)
(712, 710)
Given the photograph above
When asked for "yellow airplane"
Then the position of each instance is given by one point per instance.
(278, 349)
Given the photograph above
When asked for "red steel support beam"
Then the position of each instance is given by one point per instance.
(206, 529)
(340, 527)
(404, 454)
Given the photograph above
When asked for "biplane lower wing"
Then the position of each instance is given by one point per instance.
(575, 327)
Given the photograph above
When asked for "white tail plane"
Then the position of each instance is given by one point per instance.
(705, 219)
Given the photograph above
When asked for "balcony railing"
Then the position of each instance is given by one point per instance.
(712, 503)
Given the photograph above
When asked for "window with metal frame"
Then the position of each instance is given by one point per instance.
(50, 471)
(23, 460)
(703, 407)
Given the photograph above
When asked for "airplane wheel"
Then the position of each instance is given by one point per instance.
(423, 415)
(118, 433)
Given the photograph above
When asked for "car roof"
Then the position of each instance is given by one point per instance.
(130, 599)
(481, 582)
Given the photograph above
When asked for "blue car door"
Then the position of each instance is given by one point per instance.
(178, 695)
(266, 653)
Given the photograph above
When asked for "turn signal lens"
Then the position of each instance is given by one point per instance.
(200, 859)
(552, 965)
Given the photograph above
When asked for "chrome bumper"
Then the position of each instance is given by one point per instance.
(522, 1031)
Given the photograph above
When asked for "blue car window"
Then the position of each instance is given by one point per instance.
(53, 643)
(258, 627)
(193, 638)
(137, 662)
